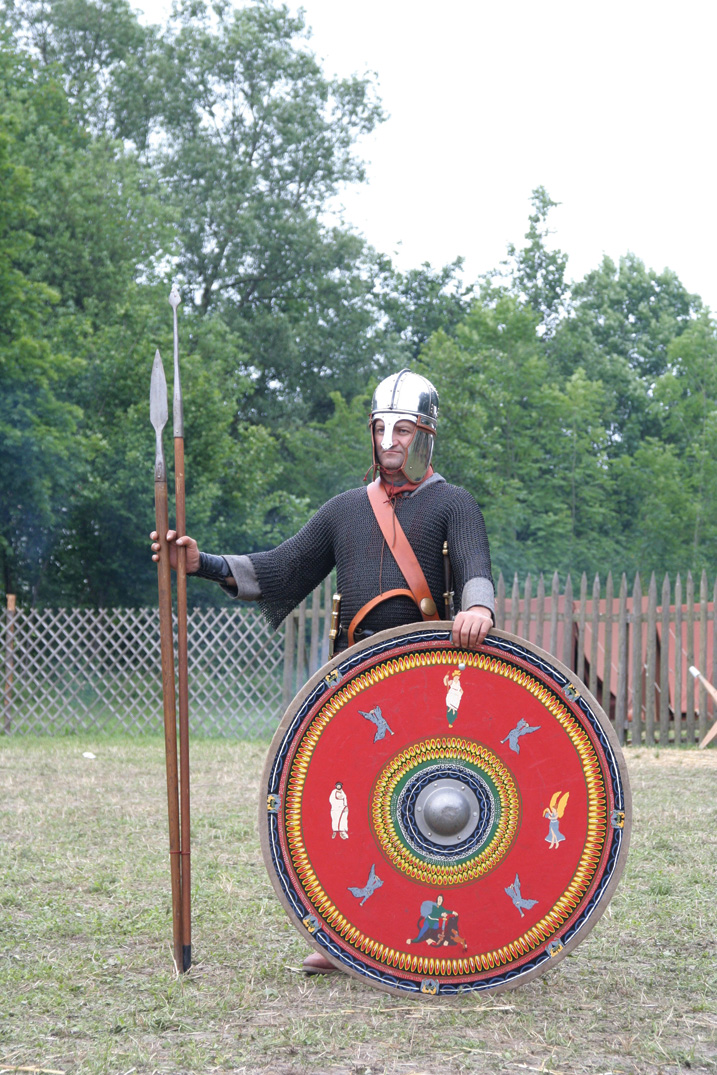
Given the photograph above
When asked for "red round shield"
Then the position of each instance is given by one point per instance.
(441, 821)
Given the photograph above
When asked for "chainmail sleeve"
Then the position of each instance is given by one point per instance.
(288, 573)
(469, 549)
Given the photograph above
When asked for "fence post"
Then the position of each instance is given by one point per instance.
(528, 597)
(636, 736)
(568, 650)
(703, 655)
(651, 674)
(9, 662)
(621, 693)
(326, 618)
(289, 651)
(500, 603)
(314, 647)
(540, 614)
(713, 673)
(678, 660)
(606, 698)
(580, 663)
(514, 605)
(554, 602)
(690, 660)
(665, 665)
(595, 627)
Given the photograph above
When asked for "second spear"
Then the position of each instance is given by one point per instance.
(182, 648)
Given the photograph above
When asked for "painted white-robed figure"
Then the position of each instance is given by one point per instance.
(339, 813)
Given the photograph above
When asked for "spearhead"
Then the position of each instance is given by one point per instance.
(158, 414)
(178, 409)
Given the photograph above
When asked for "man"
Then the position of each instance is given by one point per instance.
(346, 534)
(359, 533)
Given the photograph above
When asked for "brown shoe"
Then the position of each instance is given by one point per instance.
(315, 963)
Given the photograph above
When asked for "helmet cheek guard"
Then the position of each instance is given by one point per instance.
(407, 396)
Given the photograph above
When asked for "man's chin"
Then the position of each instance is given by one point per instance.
(392, 465)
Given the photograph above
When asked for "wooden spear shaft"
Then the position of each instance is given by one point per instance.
(158, 415)
(182, 650)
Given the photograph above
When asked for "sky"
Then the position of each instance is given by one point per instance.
(610, 107)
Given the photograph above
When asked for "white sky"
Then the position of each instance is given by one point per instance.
(610, 107)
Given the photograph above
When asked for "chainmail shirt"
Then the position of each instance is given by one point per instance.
(344, 534)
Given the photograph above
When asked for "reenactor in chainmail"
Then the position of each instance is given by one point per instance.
(347, 534)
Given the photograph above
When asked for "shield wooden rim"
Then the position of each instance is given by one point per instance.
(564, 690)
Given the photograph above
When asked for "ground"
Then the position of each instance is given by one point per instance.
(86, 974)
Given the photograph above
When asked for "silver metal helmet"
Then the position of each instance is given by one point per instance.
(408, 396)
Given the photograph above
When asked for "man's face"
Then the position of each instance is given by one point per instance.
(393, 458)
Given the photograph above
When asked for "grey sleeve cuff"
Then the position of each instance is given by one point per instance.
(479, 591)
(242, 570)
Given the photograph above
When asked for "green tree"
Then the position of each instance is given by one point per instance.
(106, 60)
(679, 470)
(622, 321)
(39, 448)
(532, 451)
(536, 274)
(422, 301)
(256, 143)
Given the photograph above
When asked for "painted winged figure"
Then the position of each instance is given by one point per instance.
(553, 813)
(521, 728)
(368, 889)
(377, 718)
(514, 892)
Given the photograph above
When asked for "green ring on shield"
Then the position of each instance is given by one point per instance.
(446, 811)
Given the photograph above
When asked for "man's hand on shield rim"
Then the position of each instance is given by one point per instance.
(471, 627)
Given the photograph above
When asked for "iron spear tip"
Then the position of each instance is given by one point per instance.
(174, 297)
(158, 394)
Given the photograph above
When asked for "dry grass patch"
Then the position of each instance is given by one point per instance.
(86, 976)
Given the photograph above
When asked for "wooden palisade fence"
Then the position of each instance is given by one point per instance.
(74, 670)
(632, 649)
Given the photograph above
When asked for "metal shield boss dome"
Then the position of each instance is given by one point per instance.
(411, 397)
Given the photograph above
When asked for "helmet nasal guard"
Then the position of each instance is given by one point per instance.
(407, 396)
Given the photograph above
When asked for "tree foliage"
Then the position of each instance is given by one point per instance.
(37, 424)
(582, 415)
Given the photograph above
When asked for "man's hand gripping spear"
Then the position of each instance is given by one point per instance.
(177, 800)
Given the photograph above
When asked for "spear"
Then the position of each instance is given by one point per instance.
(158, 416)
(182, 667)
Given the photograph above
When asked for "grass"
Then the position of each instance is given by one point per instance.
(86, 978)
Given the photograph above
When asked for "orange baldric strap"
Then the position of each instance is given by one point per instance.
(404, 556)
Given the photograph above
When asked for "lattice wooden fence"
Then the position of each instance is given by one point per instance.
(99, 670)
(69, 671)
